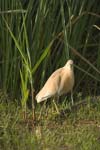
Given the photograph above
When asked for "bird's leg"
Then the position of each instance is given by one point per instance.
(72, 97)
(57, 109)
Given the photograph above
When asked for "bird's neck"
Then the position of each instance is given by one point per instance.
(68, 67)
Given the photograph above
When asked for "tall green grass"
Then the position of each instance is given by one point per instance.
(37, 37)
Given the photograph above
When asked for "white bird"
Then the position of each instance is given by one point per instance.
(60, 82)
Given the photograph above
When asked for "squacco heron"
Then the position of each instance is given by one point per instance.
(60, 82)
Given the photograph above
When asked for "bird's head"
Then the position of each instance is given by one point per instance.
(69, 64)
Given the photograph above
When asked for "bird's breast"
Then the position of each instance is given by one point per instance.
(66, 84)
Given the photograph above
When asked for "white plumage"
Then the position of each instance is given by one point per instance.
(60, 82)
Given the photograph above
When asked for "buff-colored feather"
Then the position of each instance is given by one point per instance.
(60, 82)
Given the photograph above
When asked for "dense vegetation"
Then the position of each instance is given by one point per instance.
(36, 38)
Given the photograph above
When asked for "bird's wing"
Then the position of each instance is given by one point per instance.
(51, 86)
